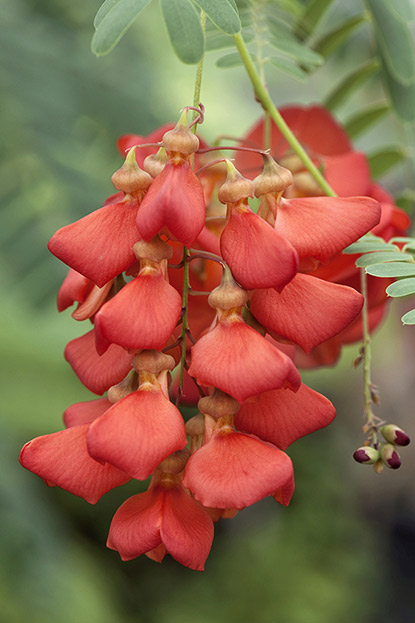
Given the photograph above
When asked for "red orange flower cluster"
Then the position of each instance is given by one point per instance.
(270, 298)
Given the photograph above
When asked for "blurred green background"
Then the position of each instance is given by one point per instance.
(344, 549)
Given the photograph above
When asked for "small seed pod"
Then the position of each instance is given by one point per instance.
(395, 435)
(366, 455)
(236, 186)
(390, 456)
(228, 294)
(130, 178)
(153, 361)
(273, 179)
(174, 464)
(181, 139)
(155, 163)
(155, 250)
(218, 404)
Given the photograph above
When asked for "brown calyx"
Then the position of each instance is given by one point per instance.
(236, 186)
(130, 178)
(218, 404)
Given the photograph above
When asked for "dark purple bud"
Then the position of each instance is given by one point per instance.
(390, 456)
(366, 455)
(395, 435)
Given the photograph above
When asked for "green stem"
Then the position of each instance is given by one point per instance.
(370, 425)
(269, 107)
(199, 71)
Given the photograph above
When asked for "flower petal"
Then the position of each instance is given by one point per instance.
(62, 459)
(308, 311)
(257, 256)
(97, 373)
(85, 412)
(282, 417)
(284, 494)
(137, 433)
(348, 174)
(73, 288)
(234, 470)
(100, 244)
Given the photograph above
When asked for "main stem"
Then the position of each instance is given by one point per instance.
(367, 361)
(270, 108)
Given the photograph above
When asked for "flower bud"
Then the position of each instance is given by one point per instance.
(155, 163)
(236, 186)
(390, 456)
(228, 294)
(153, 361)
(218, 404)
(181, 139)
(395, 435)
(155, 250)
(366, 455)
(273, 179)
(130, 178)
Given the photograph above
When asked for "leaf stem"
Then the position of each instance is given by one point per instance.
(370, 425)
(269, 107)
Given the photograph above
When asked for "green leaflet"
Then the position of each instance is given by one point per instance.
(112, 21)
(393, 269)
(367, 244)
(409, 317)
(362, 121)
(222, 14)
(343, 91)
(383, 256)
(289, 67)
(403, 287)
(230, 60)
(336, 37)
(312, 15)
(184, 28)
(402, 96)
(385, 159)
(301, 53)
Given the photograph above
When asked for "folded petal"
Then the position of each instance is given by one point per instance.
(142, 315)
(137, 433)
(174, 200)
(62, 459)
(73, 288)
(99, 245)
(186, 529)
(284, 494)
(319, 227)
(239, 361)
(282, 417)
(97, 372)
(85, 412)
(257, 256)
(308, 311)
(234, 470)
(135, 528)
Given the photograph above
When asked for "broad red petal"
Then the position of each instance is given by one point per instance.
(319, 227)
(282, 417)
(137, 433)
(62, 458)
(100, 244)
(85, 412)
(135, 528)
(240, 362)
(142, 315)
(308, 311)
(97, 373)
(73, 288)
(186, 529)
(348, 174)
(235, 470)
(257, 256)
(174, 200)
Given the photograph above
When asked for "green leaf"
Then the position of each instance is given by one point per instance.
(365, 245)
(113, 22)
(218, 41)
(403, 287)
(409, 317)
(393, 269)
(312, 15)
(404, 9)
(185, 30)
(103, 10)
(233, 5)
(403, 239)
(221, 14)
(301, 53)
(362, 121)
(394, 40)
(343, 91)
(407, 200)
(336, 37)
(382, 256)
(230, 60)
(402, 97)
(385, 159)
(289, 67)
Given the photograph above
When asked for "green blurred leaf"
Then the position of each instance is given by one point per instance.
(230, 60)
(402, 97)
(114, 23)
(289, 67)
(394, 40)
(407, 200)
(370, 243)
(393, 269)
(221, 13)
(336, 37)
(383, 256)
(403, 9)
(312, 15)
(184, 28)
(385, 159)
(409, 317)
(103, 10)
(354, 80)
(362, 121)
(301, 53)
(403, 287)
(218, 41)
